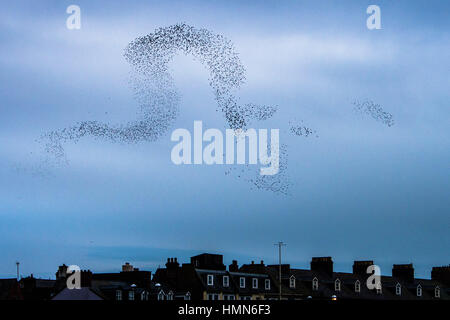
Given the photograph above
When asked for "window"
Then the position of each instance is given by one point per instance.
(337, 285)
(292, 282)
(119, 295)
(242, 282)
(437, 292)
(398, 289)
(131, 295)
(357, 286)
(379, 288)
(161, 295)
(228, 297)
(187, 296)
(419, 290)
(212, 296)
(144, 296)
(255, 283)
(226, 281)
(315, 284)
(267, 284)
(210, 280)
(170, 296)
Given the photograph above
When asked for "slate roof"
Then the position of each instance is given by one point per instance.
(77, 294)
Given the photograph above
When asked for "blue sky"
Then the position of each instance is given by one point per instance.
(361, 190)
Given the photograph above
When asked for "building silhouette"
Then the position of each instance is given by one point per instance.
(205, 277)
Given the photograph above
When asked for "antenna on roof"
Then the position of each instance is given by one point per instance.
(17, 266)
(279, 244)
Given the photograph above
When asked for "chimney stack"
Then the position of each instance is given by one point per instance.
(441, 274)
(172, 263)
(360, 267)
(403, 271)
(322, 264)
(233, 267)
(127, 267)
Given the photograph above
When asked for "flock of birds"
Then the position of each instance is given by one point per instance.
(158, 98)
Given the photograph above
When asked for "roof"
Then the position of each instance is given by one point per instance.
(77, 294)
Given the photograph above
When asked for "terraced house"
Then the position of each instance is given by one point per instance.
(207, 278)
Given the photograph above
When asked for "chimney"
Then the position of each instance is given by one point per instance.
(233, 267)
(403, 271)
(322, 264)
(127, 267)
(360, 267)
(86, 278)
(62, 272)
(441, 274)
(172, 263)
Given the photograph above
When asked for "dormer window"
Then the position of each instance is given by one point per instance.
(242, 282)
(437, 292)
(118, 295)
(210, 280)
(337, 285)
(292, 282)
(398, 289)
(419, 290)
(170, 296)
(187, 296)
(255, 283)
(161, 295)
(379, 288)
(131, 295)
(267, 284)
(226, 281)
(315, 284)
(357, 286)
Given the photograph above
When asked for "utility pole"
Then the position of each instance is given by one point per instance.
(279, 244)
(17, 265)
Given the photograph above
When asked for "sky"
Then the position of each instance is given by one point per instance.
(358, 190)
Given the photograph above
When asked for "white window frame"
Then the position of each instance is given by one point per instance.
(292, 282)
(242, 282)
(357, 286)
(315, 284)
(214, 296)
(419, 290)
(170, 295)
(118, 295)
(398, 289)
(161, 295)
(255, 283)
(267, 284)
(226, 281)
(210, 279)
(187, 296)
(437, 292)
(379, 288)
(337, 285)
(131, 295)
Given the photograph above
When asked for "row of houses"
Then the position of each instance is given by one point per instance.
(205, 277)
